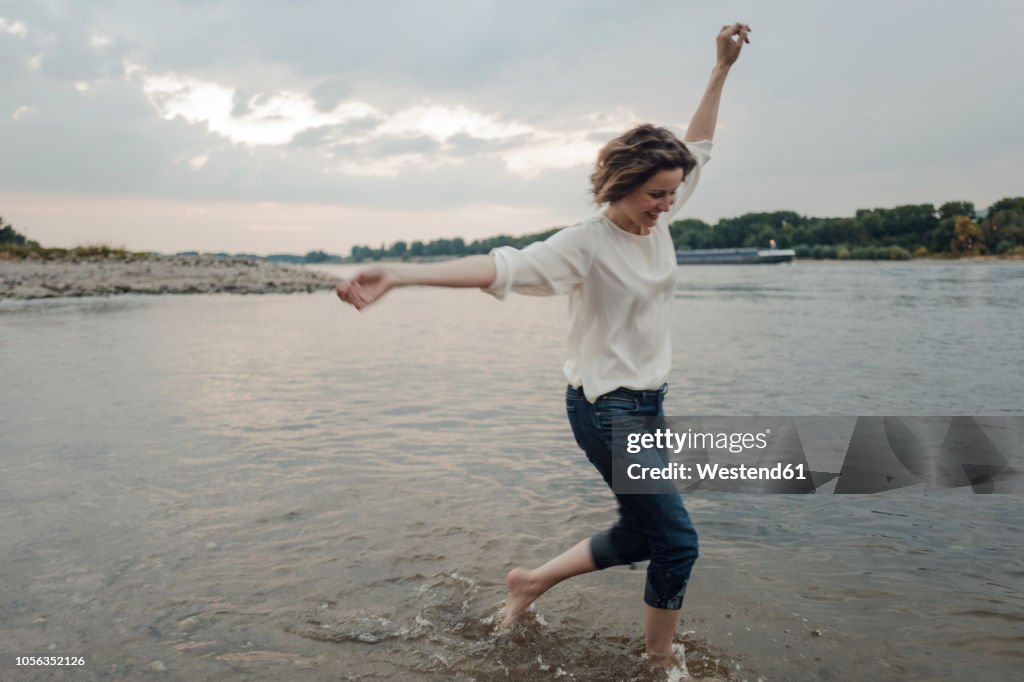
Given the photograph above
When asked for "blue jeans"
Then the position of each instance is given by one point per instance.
(654, 526)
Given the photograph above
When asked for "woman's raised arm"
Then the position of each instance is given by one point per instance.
(730, 42)
(372, 283)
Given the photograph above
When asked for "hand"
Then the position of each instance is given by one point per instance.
(367, 287)
(730, 41)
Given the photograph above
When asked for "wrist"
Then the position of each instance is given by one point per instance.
(394, 275)
(721, 70)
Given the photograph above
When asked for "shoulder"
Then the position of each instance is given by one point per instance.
(700, 150)
(584, 233)
(577, 243)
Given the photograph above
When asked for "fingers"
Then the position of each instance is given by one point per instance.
(739, 31)
(356, 299)
(350, 292)
(365, 288)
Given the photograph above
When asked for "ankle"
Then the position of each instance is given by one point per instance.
(660, 653)
(534, 584)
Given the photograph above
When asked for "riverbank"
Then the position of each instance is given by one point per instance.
(106, 275)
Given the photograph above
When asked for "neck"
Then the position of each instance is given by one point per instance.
(623, 223)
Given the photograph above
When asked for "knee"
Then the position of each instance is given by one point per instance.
(617, 547)
(631, 546)
(678, 551)
(689, 547)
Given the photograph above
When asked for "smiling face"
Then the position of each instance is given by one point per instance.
(638, 211)
(637, 173)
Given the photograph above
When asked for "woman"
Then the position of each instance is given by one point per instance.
(618, 268)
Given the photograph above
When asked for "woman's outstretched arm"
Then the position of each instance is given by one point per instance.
(730, 42)
(372, 283)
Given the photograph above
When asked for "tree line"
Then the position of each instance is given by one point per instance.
(953, 229)
(445, 247)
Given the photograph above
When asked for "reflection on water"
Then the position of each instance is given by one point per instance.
(278, 487)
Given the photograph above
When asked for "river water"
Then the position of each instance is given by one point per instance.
(222, 487)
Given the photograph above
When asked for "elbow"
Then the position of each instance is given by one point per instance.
(489, 272)
(493, 278)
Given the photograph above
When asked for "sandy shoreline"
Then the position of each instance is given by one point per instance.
(27, 279)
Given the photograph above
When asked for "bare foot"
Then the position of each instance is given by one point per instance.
(522, 590)
(672, 665)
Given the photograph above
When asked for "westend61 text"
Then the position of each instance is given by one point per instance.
(675, 471)
(664, 439)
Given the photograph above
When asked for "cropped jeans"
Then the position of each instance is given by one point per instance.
(650, 526)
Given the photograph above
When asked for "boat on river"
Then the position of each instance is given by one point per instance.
(747, 256)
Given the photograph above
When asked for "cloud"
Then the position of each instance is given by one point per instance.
(551, 151)
(199, 161)
(442, 122)
(364, 140)
(15, 28)
(269, 119)
(22, 112)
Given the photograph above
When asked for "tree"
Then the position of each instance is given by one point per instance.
(910, 225)
(871, 222)
(690, 234)
(1004, 224)
(942, 237)
(361, 253)
(837, 231)
(968, 238)
(8, 235)
(952, 209)
(905, 226)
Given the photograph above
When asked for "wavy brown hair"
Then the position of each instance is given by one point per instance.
(633, 158)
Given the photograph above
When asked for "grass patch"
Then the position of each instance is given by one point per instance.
(88, 252)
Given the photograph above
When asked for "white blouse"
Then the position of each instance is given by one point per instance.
(620, 287)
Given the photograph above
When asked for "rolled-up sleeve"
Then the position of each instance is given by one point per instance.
(701, 151)
(544, 268)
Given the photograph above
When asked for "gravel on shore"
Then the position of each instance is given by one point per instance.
(102, 276)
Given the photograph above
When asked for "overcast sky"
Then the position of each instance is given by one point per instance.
(289, 126)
